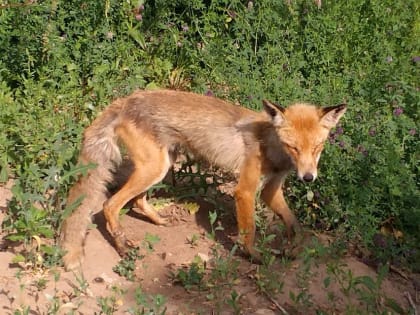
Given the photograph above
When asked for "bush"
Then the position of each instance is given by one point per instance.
(63, 61)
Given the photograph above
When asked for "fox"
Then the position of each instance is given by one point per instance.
(153, 126)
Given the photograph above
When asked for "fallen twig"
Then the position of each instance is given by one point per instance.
(398, 271)
(411, 302)
(280, 308)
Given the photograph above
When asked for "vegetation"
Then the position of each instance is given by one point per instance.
(63, 61)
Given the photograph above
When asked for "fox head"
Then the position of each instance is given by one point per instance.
(303, 129)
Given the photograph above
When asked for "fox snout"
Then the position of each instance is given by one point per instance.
(307, 176)
(307, 166)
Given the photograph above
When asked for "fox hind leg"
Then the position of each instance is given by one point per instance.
(141, 204)
(151, 163)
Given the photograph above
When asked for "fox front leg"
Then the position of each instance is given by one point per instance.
(272, 195)
(245, 205)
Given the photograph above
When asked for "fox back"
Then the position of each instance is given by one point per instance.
(208, 127)
(224, 134)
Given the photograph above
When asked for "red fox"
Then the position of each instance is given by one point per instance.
(154, 125)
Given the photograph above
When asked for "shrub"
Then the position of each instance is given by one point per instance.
(62, 61)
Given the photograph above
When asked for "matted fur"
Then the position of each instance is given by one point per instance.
(153, 125)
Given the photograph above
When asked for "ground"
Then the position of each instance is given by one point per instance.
(224, 281)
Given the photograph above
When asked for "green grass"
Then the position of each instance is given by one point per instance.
(63, 61)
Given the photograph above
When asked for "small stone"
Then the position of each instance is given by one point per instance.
(99, 280)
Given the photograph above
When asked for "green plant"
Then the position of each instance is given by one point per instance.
(212, 218)
(193, 240)
(216, 278)
(82, 285)
(149, 241)
(110, 304)
(267, 281)
(233, 301)
(24, 311)
(365, 288)
(41, 284)
(193, 275)
(63, 61)
(127, 266)
(148, 304)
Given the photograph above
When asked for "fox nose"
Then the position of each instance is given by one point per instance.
(308, 177)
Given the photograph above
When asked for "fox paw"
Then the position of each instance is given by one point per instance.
(124, 245)
(159, 220)
(254, 255)
(153, 216)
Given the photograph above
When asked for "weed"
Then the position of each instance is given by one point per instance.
(303, 299)
(22, 311)
(82, 285)
(62, 61)
(41, 284)
(365, 288)
(149, 241)
(110, 304)
(193, 275)
(107, 304)
(127, 266)
(148, 304)
(224, 269)
(193, 240)
(213, 219)
(267, 281)
(216, 278)
(233, 302)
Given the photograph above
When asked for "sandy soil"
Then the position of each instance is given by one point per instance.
(82, 291)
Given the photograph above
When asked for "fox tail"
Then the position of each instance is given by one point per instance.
(100, 148)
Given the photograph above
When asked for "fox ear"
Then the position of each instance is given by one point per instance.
(332, 114)
(275, 112)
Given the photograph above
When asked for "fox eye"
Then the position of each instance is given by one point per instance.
(292, 148)
(318, 147)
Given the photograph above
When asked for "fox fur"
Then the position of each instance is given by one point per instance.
(154, 125)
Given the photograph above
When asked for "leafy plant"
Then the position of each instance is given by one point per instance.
(147, 304)
(193, 275)
(367, 289)
(127, 266)
(63, 61)
(110, 304)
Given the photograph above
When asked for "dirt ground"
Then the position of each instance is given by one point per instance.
(97, 286)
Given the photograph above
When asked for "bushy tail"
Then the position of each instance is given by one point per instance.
(100, 148)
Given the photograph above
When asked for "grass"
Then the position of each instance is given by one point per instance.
(63, 61)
